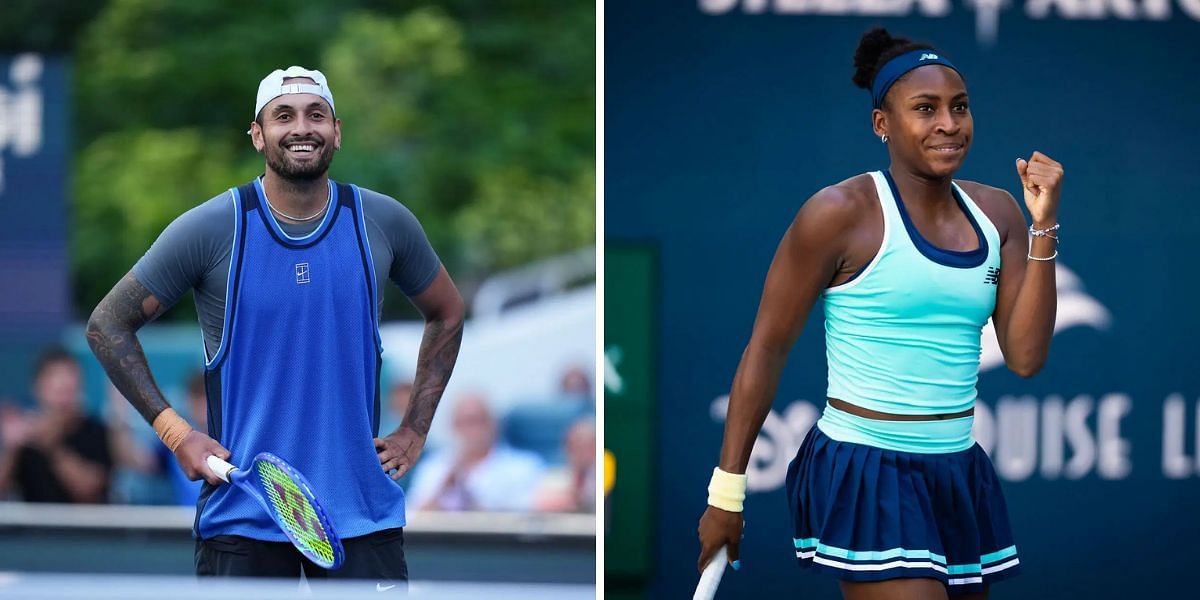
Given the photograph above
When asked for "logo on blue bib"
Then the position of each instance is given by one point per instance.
(302, 273)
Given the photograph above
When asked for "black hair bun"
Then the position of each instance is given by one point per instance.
(871, 46)
(875, 48)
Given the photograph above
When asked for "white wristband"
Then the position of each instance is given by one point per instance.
(727, 491)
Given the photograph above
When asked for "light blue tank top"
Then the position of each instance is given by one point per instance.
(297, 372)
(903, 336)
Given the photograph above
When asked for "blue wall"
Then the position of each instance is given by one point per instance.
(34, 293)
(720, 123)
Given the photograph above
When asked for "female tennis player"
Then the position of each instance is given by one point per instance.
(889, 492)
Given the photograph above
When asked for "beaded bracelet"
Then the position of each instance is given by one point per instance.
(1044, 232)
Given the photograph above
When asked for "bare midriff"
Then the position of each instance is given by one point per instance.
(867, 413)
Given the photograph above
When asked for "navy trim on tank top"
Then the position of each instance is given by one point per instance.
(961, 259)
(354, 198)
(364, 251)
(344, 190)
(246, 200)
(277, 232)
(860, 270)
(213, 393)
(375, 416)
(213, 373)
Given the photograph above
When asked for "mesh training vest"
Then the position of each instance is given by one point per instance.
(297, 372)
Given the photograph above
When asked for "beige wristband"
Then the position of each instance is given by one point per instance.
(727, 491)
(171, 428)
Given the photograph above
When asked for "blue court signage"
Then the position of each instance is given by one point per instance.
(34, 296)
(987, 13)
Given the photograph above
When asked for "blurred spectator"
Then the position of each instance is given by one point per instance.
(132, 457)
(197, 402)
(576, 388)
(539, 426)
(157, 460)
(393, 415)
(397, 406)
(186, 491)
(55, 453)
(477, 473)
(572, 488)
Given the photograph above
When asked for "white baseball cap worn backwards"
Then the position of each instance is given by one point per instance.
(272, 86)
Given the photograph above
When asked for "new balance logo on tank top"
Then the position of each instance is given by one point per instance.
(902, 337)
(297, 371)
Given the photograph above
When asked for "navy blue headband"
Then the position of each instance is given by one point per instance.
(896, 68)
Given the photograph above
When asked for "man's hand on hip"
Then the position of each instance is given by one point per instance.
(399, 450)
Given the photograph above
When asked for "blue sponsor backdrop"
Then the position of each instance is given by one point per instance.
(723, 116)
(34, 296)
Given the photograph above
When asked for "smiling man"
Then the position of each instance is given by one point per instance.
(286, 271)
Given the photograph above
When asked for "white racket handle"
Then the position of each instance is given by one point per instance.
(220, 467)
(711, 577)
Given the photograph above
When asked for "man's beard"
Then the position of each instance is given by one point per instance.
(288, 168)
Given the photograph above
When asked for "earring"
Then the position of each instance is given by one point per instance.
(883, 138)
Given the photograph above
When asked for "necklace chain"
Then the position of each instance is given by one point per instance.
(328, 199)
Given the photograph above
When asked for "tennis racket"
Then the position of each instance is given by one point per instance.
(285, 494)
(711, 577)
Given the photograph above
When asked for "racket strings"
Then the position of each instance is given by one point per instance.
(295, 513)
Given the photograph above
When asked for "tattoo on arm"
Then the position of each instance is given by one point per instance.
(111, 332)
(439, 352)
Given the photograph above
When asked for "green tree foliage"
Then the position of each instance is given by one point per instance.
(479, 116)
(43, 25)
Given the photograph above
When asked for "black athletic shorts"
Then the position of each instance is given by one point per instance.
(378, 557)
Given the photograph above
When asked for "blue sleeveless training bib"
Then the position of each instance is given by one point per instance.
(297, 372)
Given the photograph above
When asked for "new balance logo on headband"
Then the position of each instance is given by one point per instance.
(928, 57)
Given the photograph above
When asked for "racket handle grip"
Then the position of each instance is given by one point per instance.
(711, 577)
(220, 467)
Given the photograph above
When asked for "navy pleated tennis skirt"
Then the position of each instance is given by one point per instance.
(863, 513)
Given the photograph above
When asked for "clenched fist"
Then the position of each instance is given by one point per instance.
(1041, 180)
